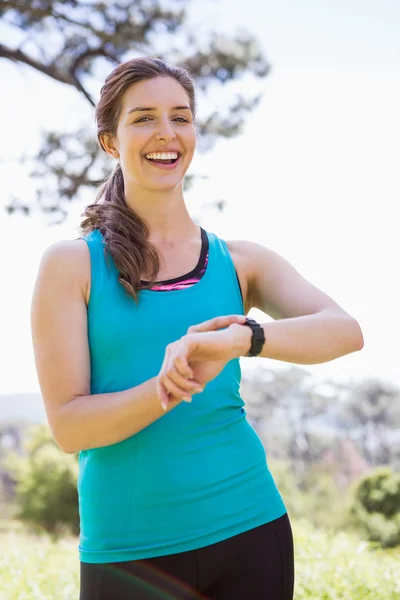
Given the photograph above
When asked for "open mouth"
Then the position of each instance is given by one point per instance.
(163, 158)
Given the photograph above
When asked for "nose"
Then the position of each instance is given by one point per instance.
(166, 131)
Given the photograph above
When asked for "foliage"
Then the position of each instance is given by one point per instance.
(77, 41)
(312, 495)
(376, 506)
(298, 419)
(328, 567)
(46, 492)
(372, 401)
(332, 566)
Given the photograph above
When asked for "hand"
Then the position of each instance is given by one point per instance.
(199, 357)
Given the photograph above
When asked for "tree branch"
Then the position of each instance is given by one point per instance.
(19, 56)
(61, 17)
(52, 71)
(90, 53)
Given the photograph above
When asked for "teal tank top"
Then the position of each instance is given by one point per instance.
(199, 474)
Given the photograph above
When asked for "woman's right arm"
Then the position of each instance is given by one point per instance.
(77, 419)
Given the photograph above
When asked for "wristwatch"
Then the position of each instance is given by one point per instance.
(258, 337)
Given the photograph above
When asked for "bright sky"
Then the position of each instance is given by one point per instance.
(315, 176)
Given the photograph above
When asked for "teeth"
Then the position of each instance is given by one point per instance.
(162, 155)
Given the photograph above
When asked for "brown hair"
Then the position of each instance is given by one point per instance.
(125, 233)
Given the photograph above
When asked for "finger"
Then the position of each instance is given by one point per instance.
(189, 385)
(182, 366)
(217, 323)
(162, 390)
(163, 395)
(175, 390)
(176, 360)
(168, 363)
(165, 398)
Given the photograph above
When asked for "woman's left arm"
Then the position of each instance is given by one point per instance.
(309, 327)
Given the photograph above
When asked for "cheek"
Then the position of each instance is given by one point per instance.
(134, 142)
(191, 141)
(135, 154)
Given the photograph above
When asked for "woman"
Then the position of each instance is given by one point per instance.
(138, 328)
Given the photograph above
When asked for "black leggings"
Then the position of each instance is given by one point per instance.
(255, 565)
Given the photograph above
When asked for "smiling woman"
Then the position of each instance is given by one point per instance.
(138, 328)
(164, 127)
(146, 109)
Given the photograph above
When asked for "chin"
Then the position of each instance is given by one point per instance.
(164, 186)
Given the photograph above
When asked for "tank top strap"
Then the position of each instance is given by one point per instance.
(224, 267)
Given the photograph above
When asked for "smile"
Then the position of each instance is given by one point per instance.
(164, 160)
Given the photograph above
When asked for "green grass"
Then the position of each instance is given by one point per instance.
(328, 567)
(331, 566)
(33, 567)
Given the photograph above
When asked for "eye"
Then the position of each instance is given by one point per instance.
(146, 118)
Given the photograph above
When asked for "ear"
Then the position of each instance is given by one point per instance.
(108, 143)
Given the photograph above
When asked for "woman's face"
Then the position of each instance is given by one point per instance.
(156, 137)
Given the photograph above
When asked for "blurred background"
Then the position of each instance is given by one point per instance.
(298, 149)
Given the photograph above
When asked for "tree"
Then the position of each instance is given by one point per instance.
(46, 483)
(376, 506)
(88, 38)
(373, 401)
(373, 408)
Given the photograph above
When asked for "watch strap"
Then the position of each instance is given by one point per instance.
(257, 339)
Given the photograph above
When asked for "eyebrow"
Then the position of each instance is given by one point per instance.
(144, 109)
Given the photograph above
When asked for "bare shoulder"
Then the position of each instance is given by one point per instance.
(68, 260)
(275, 286)
(247, 254)
(65, 249)
(249, 250)
(257, 258)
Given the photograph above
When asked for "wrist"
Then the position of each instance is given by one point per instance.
(242, 340)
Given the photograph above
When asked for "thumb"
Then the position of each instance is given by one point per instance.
(217, 323)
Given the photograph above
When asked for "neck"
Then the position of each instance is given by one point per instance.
(164, 212)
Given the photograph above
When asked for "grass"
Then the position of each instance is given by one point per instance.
(328, 566)
(33, 567)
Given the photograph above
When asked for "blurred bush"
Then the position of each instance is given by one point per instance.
(46, 484)
(375, 506)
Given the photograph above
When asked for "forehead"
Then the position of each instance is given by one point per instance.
(160, 92)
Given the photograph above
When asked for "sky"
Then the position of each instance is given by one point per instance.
(314, 176)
